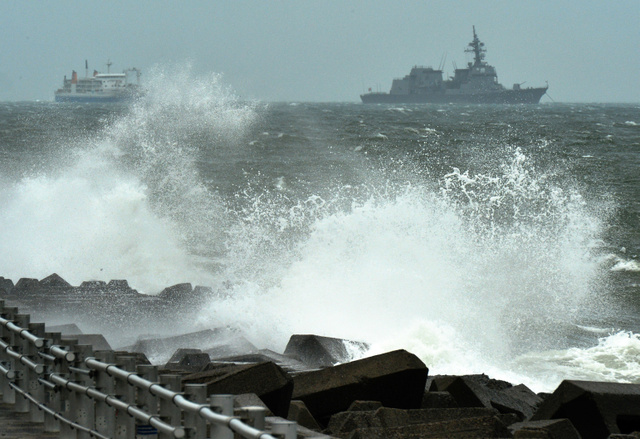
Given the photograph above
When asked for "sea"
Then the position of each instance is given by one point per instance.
(493, 239)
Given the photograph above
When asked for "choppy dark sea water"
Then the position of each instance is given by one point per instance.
(495, 239)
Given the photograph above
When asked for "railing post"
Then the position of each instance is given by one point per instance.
(284, 429)
(222, 404)
(252, 415)
(67, 398)
(85, 408)
(24, 376)
(8, 394)
(105, 415)
(169, 412)
(146, 400)
(125, 424)
(35, 388)
(196, 393)
(52, 396)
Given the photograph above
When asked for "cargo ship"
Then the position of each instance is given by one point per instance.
(476, 84)
(101, 87)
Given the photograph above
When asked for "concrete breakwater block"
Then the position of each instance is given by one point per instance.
(341, 424)
(160, 349)
(396, 379)
(97, 341)
(468, 428)
(596, 409)
(318, 351)
(290, 365)
(66, 329)
(482, 391)
(268, 381)
(551, 429)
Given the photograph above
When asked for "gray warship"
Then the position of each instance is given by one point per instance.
(477, 84)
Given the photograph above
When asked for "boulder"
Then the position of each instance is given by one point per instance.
(482, 391)
(396, 379)
(596, 409)
(272, 385)
(318, 351)
(549, 429)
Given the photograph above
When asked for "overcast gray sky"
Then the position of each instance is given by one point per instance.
(588, 50)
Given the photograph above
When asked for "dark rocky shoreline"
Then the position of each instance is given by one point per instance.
(316, 383)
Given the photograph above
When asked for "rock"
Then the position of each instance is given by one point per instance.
(596, 409)
(396, 379)
(272, 385)
(482, 391)
(318, 351)
(299, 412)
(549, 429)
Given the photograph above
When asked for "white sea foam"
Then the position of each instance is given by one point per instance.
(128, 202)
(468, 277)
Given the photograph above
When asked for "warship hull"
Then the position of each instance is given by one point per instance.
(475, 84)
(522, 96)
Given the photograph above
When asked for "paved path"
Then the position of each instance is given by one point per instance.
(17, 425)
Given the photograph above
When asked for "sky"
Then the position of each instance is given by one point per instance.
(324, 51)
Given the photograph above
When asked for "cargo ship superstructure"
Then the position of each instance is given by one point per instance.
(477, 84)
(101, 87)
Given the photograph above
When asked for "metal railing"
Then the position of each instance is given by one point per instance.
(81, 394)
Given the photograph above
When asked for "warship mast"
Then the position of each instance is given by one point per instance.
(477, 48)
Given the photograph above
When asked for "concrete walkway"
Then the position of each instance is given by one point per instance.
(17, 425)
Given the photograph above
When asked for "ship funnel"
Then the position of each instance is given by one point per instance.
(74, 77)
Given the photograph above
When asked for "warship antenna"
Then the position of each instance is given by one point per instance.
(109, 63)
(86, 68)
(443, 60)
(477, 48)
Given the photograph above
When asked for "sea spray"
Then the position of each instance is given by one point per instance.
(487, 267)
(128, 201)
